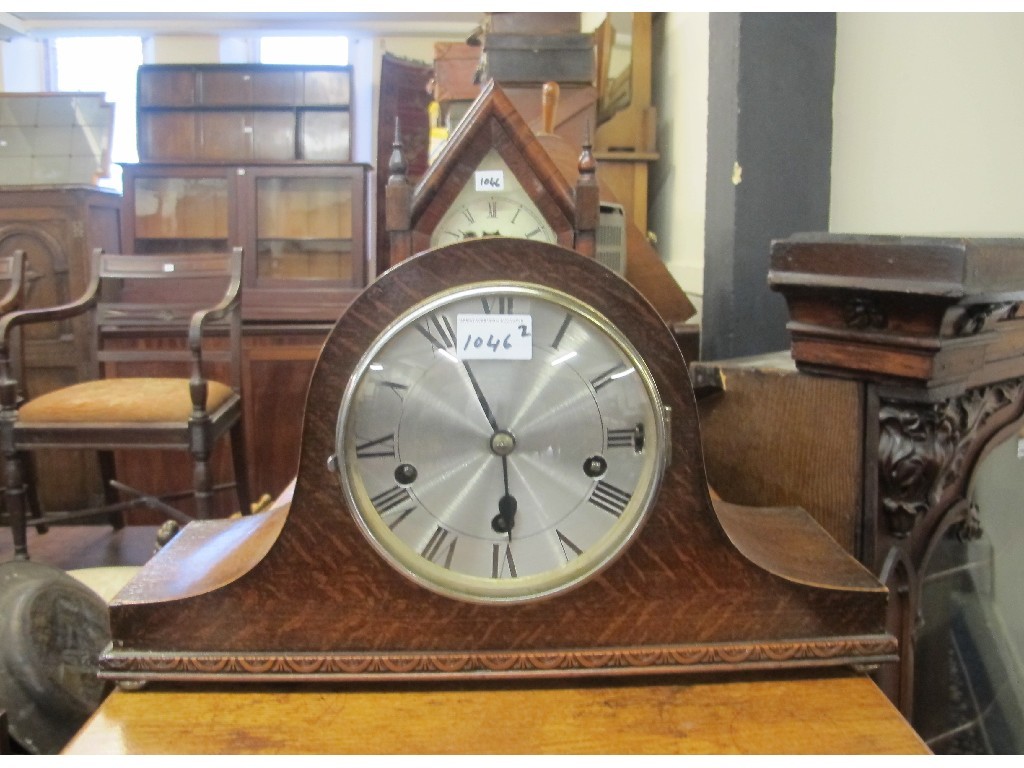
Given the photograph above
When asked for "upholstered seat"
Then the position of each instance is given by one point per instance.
(151, 354)
(113, 401)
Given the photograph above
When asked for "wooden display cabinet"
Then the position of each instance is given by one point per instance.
(241, 113)
(302, 228)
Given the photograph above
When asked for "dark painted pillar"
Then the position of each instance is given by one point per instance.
(769, 166)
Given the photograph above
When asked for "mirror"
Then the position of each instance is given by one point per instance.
(55, 138)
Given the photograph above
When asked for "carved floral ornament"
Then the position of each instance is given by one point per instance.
(923, 448)
(976, 318)
(864, 312)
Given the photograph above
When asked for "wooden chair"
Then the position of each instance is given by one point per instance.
(131, 404)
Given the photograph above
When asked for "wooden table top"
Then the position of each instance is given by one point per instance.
(820, 713)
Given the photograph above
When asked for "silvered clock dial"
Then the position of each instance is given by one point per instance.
(501, 442)
(493, 203)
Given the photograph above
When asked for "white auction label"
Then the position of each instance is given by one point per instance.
(494, 337)
(490, 181)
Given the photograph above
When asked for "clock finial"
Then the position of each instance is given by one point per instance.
(397, 164)
(398, 201)
(587, 163)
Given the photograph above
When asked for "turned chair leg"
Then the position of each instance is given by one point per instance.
(202, 484)
(14, 498)
(241, 474)
(34, 509)
(110, 495)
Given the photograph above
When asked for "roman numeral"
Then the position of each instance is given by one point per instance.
(621, 438)
(402, 515)
(609, 376)
(561, 331)
(468, 215)
(499, 558)
(492, 209)
(609, 498)
(567, 543)
(382, 446)
(436, 546)
(442, 327)
(533, 232)
(390, 499)
(497, 305)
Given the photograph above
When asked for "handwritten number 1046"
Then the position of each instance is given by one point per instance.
(492, 342)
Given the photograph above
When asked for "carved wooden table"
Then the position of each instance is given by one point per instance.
(909, 368)
(833, 714)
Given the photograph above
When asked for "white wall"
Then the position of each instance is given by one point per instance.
(678, 188)
(22, 66)
(928, 111)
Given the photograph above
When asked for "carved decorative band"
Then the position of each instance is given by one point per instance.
(924, 447)
(170, 665)
(865, 312)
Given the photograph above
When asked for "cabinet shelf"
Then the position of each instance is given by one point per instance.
(302, 228)
(145, 245)
(243, 113)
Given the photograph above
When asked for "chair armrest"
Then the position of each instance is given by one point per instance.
(228, 304)
(43, 314)
(82, 304)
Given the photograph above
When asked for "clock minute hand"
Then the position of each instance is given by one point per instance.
(481, 399)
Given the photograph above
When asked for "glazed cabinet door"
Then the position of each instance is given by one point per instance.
(309, 251)
(173, 209)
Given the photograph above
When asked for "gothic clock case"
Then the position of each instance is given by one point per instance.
(300, 592)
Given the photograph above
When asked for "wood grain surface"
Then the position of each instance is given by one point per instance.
(798, 715)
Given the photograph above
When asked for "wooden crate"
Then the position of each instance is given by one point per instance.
(455, 72)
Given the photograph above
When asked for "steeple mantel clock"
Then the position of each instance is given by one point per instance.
(492, 178)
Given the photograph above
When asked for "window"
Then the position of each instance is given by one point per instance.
(304, 50)
(106, 65)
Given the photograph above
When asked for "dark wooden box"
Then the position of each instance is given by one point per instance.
(539, 58)
(517, 23)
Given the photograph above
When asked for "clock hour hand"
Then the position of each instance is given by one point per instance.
(505, 520)
(502, 443)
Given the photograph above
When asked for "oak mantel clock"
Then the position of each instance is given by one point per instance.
(500, 476)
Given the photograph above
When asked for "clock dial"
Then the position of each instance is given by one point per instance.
(493, 203)
(486, 215)
(501, 442)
